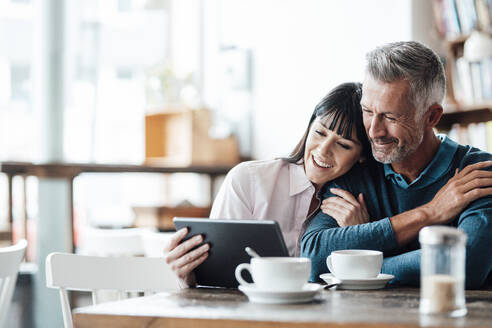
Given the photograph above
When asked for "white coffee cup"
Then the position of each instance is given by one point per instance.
(355, 263)
(276, 273)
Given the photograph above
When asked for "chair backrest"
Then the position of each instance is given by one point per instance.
(10, 259)
(111, 242)
(154, 242)
(92, 273)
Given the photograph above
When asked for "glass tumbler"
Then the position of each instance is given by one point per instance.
(442, 271)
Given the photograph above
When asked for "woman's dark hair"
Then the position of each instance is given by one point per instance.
(342, 104)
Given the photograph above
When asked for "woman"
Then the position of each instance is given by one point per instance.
(286, 190)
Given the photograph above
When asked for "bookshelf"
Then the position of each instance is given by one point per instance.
(465, 116)
(462, 26)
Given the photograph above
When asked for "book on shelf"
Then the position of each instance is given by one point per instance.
(459, 133)
(472, 81)
(453, 132)
(446, 18)
(463, 90)
(461, 17)
(463, 135)
(476, 80)
(484, 14)
(478, 135)
(487, 78)
(467, 15)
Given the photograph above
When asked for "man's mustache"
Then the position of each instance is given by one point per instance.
(383, 140)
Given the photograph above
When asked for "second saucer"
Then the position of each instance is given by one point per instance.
(359, 284)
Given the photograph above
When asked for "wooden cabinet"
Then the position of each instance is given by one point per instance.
(181, 138)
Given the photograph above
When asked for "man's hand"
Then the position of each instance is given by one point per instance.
(180, 256)
(345, 208)
(472, 183)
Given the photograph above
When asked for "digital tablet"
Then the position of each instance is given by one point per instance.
(227, 239)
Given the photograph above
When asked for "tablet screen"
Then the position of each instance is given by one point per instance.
(227, 239)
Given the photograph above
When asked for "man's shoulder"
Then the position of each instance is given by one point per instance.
(466, 155)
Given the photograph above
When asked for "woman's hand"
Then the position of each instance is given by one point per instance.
(181, 256)
(345, 208)
(471, 183)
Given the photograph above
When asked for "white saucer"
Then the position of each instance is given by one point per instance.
(359, 284)
(273, 297)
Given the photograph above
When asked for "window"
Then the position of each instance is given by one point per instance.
(19, 82)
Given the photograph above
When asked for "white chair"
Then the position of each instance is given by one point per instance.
(154, 242)
(111, 242)
(10, 259)
(91, 273)
(117, 243)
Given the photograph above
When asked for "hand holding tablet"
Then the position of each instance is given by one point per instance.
(227, 240)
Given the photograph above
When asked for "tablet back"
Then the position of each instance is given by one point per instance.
(227, 239)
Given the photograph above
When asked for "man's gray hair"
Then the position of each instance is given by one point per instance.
(414, 62)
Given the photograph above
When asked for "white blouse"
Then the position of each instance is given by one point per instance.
(267, 190)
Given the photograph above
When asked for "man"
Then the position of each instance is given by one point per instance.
(419, 179)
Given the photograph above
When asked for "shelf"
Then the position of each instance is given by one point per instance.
(66, 172)
(71, 170)
(465, 115)
(455, 45)
(458, 40)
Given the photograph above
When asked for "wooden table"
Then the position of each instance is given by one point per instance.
(392, 307)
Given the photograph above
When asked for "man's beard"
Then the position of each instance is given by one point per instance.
(397, 153)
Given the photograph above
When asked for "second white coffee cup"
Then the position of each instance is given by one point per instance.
(276, 273)
(355, 263)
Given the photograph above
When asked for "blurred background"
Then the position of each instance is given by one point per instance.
(187, 83)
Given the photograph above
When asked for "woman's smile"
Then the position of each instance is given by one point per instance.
(320, 163)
